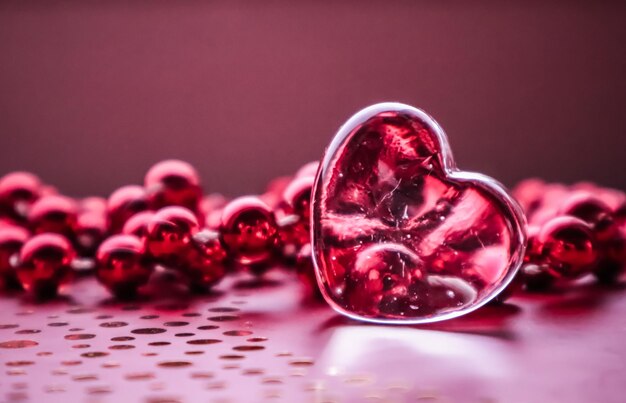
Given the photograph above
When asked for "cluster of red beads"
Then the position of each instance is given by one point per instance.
(45, 238)
(573, 231)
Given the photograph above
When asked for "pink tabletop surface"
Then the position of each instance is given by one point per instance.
(253, 342)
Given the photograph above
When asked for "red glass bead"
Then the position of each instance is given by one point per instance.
(293, 233)
(212, 202)
(529, 194)
(592, 210)
(294, 224)
(205, 261)
(297, 198)
(93, 204)
(306, 273)
(122, 265)
(173, 183)
(273, 195)
(399, 234)
(568, 246)
(537, 277)
(138, 224)
(612, 257)
(91, 229)
(169, 234)
(249, 230)
(18, 191)
(124, 203)
(45, 264)
(56, 214)
(11, 240)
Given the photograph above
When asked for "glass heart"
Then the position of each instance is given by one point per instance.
(399, 234)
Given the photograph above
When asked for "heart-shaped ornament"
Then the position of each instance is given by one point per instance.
(399, 234)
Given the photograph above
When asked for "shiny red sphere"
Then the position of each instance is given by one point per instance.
(169, 233)
(18, 191)
(11, 240)
(297, 198)
(205, 261)
(56, 214)
(122, 265)
(537, 277)
(90, 231)
(93, 204)
(306, 272)
(45, 264)
(273, 195)
(123, 204)
(592, 210)
(568, 246)
(173, 183)
(138, 224)
(249, 231)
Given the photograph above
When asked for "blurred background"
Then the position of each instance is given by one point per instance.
(93, 93)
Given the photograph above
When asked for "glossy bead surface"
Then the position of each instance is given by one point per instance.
(169, 233)
(205, 261)
(248, 230)
(90, 230)
(568, 246)
(173, 183)
(592, 210)
(56, 214)
(11, 240)
(123, 204)
(138, 224)
(18, 191)
(306, 272)
(122, 265)
(401, 236)
(45, 264)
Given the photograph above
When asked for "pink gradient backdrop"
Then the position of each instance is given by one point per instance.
(92, 93)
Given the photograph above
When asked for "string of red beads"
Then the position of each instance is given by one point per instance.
(573, 231)
(46, 238)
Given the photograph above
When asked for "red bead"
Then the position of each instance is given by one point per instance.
(138, 224)
(592, 210)
(56, 214)
(18, 191)
(612, 261)
(533, 246)
(529, 194)
(568, 246)
(205, 261)
(294, 223)
(11, 240)
(273, 195)
(124, 203)
(537, 277)
(45, 264)
(122, 265)
(173, 183)
(306, 273)
(93, 204)
(169, 233)
(91, 229)
(212, 202)
(399, 234)
(249, 230)
(297, 198)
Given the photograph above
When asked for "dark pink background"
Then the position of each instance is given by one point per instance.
(92, 93)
